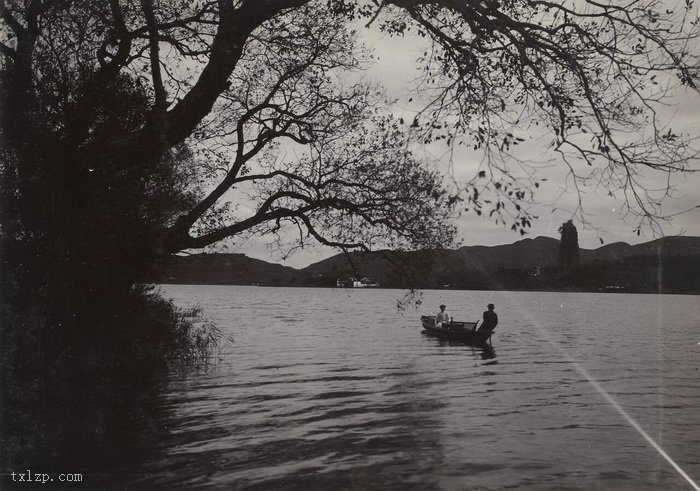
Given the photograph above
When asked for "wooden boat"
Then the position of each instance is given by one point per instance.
(464, 332)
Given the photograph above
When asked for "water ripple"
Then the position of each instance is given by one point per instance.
(299, 403)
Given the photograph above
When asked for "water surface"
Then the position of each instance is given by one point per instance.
(336, 389)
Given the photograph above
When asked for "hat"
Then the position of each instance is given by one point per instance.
(490, 306)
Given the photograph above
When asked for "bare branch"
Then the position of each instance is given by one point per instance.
(161, 102)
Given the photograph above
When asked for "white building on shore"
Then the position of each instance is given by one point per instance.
(352, 282)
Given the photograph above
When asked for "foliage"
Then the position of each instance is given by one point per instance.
(171, 333)
(63, 390)
(71, 318)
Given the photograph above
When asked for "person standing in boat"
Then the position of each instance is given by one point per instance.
(442, 319)
(490, 319)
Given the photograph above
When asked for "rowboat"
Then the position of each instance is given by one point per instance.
(464, 332)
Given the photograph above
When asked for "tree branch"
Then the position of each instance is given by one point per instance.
(161, 102)
(14, 24)
(235, 25)
(82, 111)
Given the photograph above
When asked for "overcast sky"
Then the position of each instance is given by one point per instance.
(396, 69)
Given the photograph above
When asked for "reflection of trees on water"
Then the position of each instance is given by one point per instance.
(357, 436)
(102, 432)
(350, 435)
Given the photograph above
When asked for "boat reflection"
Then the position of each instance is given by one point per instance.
(484, 350)
(488, 355)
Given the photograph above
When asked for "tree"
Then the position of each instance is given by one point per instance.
(582, 71)
(67, 144)
(353, 183)
(568, 246)
(86, 209)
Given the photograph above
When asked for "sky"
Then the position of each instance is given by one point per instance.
(396, 69)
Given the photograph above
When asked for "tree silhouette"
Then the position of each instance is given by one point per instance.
(243, 75)
(568, 246)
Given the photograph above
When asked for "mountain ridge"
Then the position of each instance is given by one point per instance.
(665, 264)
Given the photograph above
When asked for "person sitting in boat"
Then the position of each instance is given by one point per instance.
(442, 319)
(490, 319)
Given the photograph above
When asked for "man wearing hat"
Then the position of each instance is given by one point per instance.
(490, 319)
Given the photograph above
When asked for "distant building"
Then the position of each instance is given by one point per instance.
(612, 288)
(352, 282)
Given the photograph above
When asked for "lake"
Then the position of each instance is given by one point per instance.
(337, 389)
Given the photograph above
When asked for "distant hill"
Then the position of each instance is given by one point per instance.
(526, 253)
(666, 247)
(670, 264)
(225, 269)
